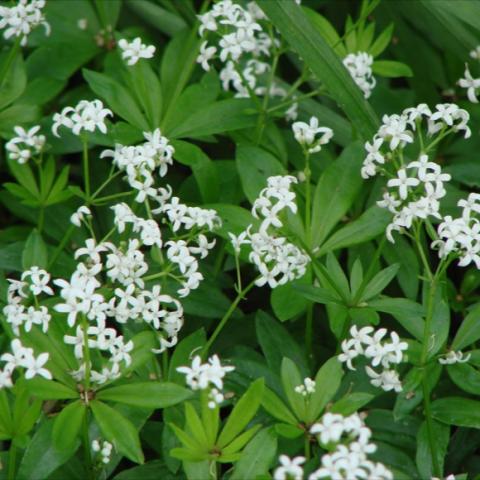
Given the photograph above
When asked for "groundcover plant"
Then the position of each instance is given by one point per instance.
(240, 240)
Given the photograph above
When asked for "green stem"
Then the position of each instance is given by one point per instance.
(309, 332)
(61, 246)
(12, 460)
(86, 169)
(86, 353)
(111, 176)
(226, 317)
(114, 196)
(86, 447)
(426, 392)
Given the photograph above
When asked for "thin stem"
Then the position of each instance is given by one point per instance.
(308, 199)
(61, 246)
(226, 317)
(423, 360)
(86, 170)
(297, 99)
(86, 353)
(114, 196)
(86, 447)
(12, 460)
(111, 176)
(309, 331)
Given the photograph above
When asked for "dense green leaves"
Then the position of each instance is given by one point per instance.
(294, 25)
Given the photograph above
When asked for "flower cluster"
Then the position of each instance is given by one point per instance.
(135, 50)
(22, 357)
(349, 459)
(25, 145)
(244, 47)
(397, 131)
(307, 388)
(453, 357)
(305, 134)
(104, 449)
(84, 117)
(21, 19)
(140, 162)
(415, 194)
(359, 66)
(277, 260)
(461, 236)
(417, 186)
(207, 376)
(381, 353)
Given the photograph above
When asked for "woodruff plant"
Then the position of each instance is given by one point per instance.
(216, 262)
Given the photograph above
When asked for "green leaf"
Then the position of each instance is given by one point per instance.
(291, 378)
(195, 428)
(257, 456)
(327, 30)
(50, 390)
(118, 430)
(202, 167)
(369, 225)
(276, 342)
(308, 42)
(117, 97)
(41, 458)
(242, 413)
(350, 403)
(379, 282)
(381, 42)
(327, 381)
(67, 426)
(285, 301)
(469, 331)
(218, 117)
(236, 445)
(318, 294)
(458, 411)
(276, 408)
(465, 376)
(441, 436)
(335, 192)
(391, 69)
(15, 81)
(35, 251)
(164, 20)
(254, 166)
(153, 470)
(146, 394)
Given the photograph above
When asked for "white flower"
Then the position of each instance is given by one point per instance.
(206, 54)
(85, 116)
(330, 429)
(307, 388)
(305, 134)
(453, 357)
(25, 144)
(78, 217)
(135, 50)
(289, 469)
(359, 66)
(21, 19)
(403, 182)
(387, 380)
(471, 84)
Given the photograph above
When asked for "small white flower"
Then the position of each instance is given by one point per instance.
(135, 50)
(206, 54)
(289, 469)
